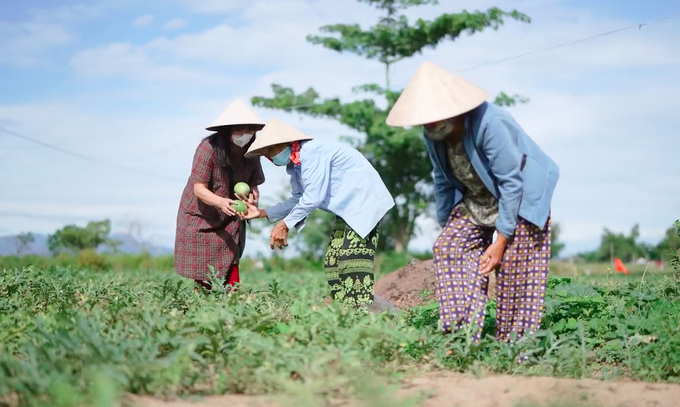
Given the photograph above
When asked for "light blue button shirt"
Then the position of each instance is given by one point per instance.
(334, 177)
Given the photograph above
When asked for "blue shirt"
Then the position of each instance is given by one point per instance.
(334, 177)
(512, 166)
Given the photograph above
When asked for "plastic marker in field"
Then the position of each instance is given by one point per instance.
(618, 266)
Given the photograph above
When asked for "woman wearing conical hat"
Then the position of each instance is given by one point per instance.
(208, 231)
(336, 178)
(489, 176)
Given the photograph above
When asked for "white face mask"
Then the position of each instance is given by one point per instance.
(242, 140)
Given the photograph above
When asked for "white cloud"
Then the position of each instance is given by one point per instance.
(22, 44)
(143, 21)
(26, 43)
(126, 60)
(77, 12)
(212, 6)
(603, 109)
(175, 24)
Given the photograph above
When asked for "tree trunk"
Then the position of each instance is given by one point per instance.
(400, 234)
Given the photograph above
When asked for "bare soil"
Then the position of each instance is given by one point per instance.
(453, 390)
(403, 287)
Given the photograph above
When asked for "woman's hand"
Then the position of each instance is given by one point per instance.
(493, 255)
(253, 212)
(252, 199)
(225, 206)
(279, 236)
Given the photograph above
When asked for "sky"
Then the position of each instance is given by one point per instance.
(135, 84)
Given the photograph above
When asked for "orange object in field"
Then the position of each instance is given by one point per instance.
(618, 266)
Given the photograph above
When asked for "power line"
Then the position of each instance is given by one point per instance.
(494, 62)
(85, 157)
(565, 44)
(525, 54)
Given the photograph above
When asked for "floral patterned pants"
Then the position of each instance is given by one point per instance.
(349, 264)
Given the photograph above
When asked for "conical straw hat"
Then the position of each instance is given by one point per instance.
(238, 113)
(274, 132)
(434, 94)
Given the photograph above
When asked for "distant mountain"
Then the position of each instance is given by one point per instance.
(8, 246)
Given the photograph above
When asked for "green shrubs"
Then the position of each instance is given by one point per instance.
(71, 336)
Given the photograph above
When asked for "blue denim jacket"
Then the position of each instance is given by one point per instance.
(511, 165)
(334, 177)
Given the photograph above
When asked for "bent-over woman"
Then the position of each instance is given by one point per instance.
(489, 176)
(336, 178)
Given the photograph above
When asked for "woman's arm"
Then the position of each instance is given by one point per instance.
(317, 178)
(282, 209)
(209, 198)
(505, 162)
(201, 174)
(205, 195)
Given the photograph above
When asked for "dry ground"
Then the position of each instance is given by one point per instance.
(453, 390)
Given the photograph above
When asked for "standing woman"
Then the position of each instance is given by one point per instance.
(489, 176)
(336, 178)
(208, 230)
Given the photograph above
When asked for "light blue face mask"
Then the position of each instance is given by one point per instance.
(283, 158)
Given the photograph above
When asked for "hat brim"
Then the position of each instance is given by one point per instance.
(432, 95)
(226, 126)
(259, 152)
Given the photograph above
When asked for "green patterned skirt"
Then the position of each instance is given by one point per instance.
(349, 264)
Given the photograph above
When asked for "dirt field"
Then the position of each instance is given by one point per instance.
(403, 287)
(451, 390)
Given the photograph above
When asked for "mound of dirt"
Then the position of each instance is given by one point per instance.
(403, 287)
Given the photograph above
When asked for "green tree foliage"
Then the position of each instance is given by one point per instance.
(622, 246)
(556, 245)
(675, 255)
(74, 239)
(669, 246)
(24, 241)
(398, 155)
(629, 248)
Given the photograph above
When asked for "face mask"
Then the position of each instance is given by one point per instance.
(242, 140)
(441, 131)
(283, 158)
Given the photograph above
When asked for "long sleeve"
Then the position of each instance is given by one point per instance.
(444, 191)
(505, 163)
(203, 163)
(316, 181)
(279, 211)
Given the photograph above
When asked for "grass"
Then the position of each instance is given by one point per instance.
(80, 337)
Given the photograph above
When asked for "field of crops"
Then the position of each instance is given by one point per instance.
(76, 338)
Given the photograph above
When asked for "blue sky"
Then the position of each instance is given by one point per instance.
(135, 83)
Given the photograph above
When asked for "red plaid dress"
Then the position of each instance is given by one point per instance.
(205, 235)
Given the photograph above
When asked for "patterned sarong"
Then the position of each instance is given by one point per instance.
(349, 264)
(462, 289)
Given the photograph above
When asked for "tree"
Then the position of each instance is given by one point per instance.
(668, 245)
(24, 241)
(626, 248)
(75, 239)
(399, 155)
(556, 245)
(312, 242)
(674, 260)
